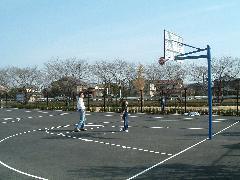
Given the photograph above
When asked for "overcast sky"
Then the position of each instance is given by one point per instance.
(34, 31)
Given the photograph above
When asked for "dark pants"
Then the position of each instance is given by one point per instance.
(125, 121)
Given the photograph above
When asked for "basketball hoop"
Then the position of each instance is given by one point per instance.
(161, 61)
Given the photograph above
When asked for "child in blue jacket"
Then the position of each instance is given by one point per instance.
(125, 116)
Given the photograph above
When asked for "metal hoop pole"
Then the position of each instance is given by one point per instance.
(209, 93)
(164, 48)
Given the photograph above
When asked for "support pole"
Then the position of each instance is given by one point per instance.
(209, 93)
(47, 98)
(73, 100)
(104, 100)
(185, 102)
(6, 99)
(208, 56)
(237, 97)
(141, 100)
(88, 100)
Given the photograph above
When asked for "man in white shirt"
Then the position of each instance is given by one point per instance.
(81, 109)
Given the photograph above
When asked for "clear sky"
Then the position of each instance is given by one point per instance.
(35, 31)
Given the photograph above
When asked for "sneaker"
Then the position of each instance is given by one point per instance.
(122, 129)
(76, 130)
(126, 130)
(82, 129)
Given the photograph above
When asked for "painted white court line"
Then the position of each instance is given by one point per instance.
(63, 114)
(157, 117)
(12, 120)
(102, 142)
(221, 119)
(157, 127)
(177, 154)
(7, 119)
(21, 172)
(94, 125)
(16, 170)
(195, 128)
(133, 116)
(169, 120)
(226, 128)
(108, 115)
(176, 114)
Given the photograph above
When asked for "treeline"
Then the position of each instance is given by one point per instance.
(60, 76)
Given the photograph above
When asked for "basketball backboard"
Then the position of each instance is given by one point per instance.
(173, 45)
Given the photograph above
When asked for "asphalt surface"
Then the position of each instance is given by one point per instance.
(39, 144)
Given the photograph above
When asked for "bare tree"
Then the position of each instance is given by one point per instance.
(139, 83)
(27, 80)
(68, 73)
(174, 71)
(24, 77)
(4, 77)
(129, 75)
(103, 71)
(154, 72)
(71, 67)
(123, 74)
(197, 72)
(225, 67)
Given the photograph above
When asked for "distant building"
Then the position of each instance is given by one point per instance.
(197, 89)
(3, 89)
(165, 87)
(225, 86)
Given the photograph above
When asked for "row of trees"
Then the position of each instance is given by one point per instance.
(60, 76)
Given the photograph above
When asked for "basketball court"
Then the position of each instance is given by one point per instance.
(42, 145)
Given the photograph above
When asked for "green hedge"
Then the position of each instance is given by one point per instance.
(116, 108)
